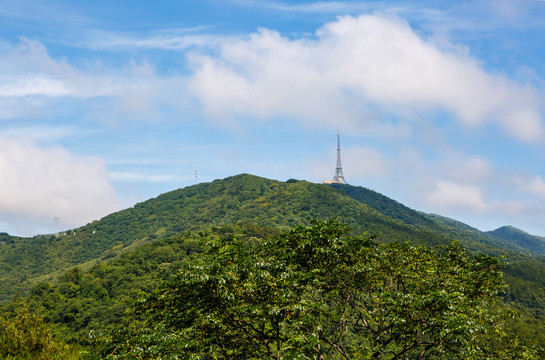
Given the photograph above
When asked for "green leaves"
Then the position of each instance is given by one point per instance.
(28, 337)
(316, 292)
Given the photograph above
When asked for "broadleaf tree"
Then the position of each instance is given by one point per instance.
(28, 337)
(318, 293)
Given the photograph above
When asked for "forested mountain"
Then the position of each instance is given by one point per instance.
(449, 228)
(86, 278)
(536, 244)
(243, 198)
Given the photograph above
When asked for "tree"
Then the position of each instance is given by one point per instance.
(28, 337)
(318, 293)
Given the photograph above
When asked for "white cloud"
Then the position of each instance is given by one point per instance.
(39, 184)
(33, 83)
(533, 185)
(364, 162)
(171, 39)
(33, 86)
(328, 7)
(354, 64)
(28, 70)
(466, 170)
(448, 195)
(470, 200)
(41, 132)
(465, 187)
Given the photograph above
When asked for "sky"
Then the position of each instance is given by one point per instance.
(103, 104)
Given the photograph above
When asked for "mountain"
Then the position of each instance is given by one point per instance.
(471, 237)
(86, 277)
(238, 199)
(241, 198)
(520, 238)
(385, 205)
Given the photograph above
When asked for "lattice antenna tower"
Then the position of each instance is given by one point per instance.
(339, 177)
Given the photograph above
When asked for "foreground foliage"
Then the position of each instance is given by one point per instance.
(28, 337)
(318, 293)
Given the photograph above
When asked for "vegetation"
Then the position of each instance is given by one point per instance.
(80, 302)
(246, 198)
(243, 198)
(518, 237)
(85, 281)
(28, 337)
(318, 293)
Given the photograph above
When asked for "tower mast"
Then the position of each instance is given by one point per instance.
(339, 177)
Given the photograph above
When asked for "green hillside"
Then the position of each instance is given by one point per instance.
(385, 205)
(243, 198)
(520, 238)
(133, 250)
(472, 238)
(521, 252)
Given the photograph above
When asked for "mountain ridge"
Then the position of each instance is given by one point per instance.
(243, 197)
(520, 238)
(130, 250)
(240, 198)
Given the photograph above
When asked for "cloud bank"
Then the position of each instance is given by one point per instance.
(29, 70)
(373, 76)
(356, 63)
(39, 184)
(33, 83)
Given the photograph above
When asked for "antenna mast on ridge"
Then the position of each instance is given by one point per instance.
(339, 177)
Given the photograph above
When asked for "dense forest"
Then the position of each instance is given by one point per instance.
(238, 268)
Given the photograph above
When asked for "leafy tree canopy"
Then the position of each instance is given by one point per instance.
(317, 293)
(28, 337)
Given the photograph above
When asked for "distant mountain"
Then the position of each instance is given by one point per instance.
(385, 205)
(242, 198)
(471, 238)
(247, 199)
(520, 238)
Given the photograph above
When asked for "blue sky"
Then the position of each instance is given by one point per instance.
(104, 104)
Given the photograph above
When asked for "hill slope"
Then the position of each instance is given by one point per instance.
(471, 238)
(128, 251)
(242, 198)
(520, 238)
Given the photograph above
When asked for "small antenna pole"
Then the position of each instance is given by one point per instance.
(56, 221)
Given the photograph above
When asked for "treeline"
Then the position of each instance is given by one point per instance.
(78, 301)
(243, 198)
(89, 281)
(247, 291)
